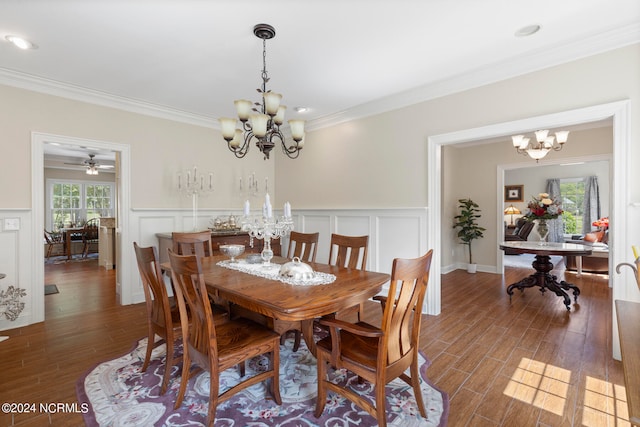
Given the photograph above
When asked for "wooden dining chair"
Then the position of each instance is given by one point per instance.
(163, 315)
(196, 242)
(379, 355)
(199, 243)
(349, 252)
(90, 235)
(52, 240)
(218, 347)
(305, 247)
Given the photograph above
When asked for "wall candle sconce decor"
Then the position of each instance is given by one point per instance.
(250, 186)
(191, 183)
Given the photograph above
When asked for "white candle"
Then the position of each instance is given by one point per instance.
(287, 210)
(202, 182)
(210, 181)
(195, 174)
(267, 202)
(188, 178)
(179, 182)
(247, 208)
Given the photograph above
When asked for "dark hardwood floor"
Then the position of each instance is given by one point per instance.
(525, 363)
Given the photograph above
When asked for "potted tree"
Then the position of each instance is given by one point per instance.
(469, 230)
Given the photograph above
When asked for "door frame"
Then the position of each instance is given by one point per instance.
(619, 112)
(123, 186)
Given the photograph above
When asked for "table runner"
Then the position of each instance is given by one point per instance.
(273, 273)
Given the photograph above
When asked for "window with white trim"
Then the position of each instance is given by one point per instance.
(72, 203)
(572, 193)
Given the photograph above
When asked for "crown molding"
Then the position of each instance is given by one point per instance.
(577, 49)
(526, 63)
(78, 93)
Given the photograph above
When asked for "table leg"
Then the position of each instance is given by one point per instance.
(307, 334)
(67, 243)
(579, 265)
(544, 280)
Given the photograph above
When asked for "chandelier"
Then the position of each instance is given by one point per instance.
(542, 145)
(261, 121)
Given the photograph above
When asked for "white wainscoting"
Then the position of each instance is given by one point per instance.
(393, 233)
(16, 255)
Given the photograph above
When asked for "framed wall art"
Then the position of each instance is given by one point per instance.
(513, 193)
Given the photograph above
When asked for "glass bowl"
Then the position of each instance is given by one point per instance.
(232, 251)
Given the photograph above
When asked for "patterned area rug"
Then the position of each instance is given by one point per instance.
(120, 395)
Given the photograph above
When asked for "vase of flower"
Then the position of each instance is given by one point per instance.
(542, 228)
(542, 209)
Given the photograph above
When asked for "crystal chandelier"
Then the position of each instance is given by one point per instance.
(542, 145)
(261, 121)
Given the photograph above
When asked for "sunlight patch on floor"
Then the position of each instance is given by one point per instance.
(546, 387)
(542, 385)
(605, 404)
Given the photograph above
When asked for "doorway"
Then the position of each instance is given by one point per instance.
(122, 183)
(619, 112)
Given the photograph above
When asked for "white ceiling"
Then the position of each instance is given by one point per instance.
(189, 59)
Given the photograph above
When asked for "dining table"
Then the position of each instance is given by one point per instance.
(542, 265)
(68, 233)
(288, 306)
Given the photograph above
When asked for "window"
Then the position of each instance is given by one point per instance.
(572, 193)
(74, 202)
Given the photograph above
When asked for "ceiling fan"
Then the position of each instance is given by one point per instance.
(92, 165)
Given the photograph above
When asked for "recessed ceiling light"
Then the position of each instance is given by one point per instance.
(528, 30)
(301, 109)
(20, 42)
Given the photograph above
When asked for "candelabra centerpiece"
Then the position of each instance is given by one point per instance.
(193, 184)
(266, 227)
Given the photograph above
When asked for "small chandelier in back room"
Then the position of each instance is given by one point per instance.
(542, 145)
(261, 121)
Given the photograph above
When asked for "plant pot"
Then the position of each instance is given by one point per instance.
(472, 268)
